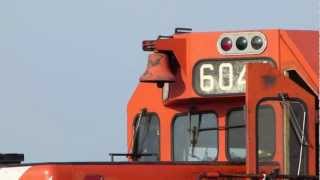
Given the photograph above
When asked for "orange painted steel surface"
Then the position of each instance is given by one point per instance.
(126, 171)
(135, 171)
(287, 50)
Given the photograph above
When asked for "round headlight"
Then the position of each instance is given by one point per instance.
(256, 42)
(242, 43)
(226, 44)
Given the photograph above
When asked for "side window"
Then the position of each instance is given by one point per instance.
(236, 134)
(147, 134)
(295, 133)
(266, 132)
(195, 137)
(296, 141)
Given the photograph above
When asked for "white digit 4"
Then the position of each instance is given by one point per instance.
(241, 80)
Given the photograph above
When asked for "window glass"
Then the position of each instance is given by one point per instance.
(195, 137)
(266, 132)
(295, 137)
(147, 137)
(236, 134)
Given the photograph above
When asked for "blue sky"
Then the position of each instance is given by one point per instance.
(68, 67)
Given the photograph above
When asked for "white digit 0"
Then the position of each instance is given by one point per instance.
(206, 81)
(228, 74)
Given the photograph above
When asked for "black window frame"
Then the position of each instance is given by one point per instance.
(172, 135)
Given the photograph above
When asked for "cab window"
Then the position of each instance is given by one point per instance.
(236, 134)
(295, 137)
(266, 133)
(195, 137)
(147, 137)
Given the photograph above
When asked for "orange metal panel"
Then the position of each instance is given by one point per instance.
(299, 51)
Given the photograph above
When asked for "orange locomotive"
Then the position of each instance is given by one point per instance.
(213, 105)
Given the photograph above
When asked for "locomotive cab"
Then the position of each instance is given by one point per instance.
(242, 99)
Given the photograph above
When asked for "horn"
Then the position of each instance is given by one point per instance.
(158, 70)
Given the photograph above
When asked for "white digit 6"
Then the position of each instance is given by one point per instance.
(206, 81)
(229, 76)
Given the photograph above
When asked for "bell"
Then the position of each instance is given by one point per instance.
(158, 70)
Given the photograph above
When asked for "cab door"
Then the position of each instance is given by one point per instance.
(294, 122)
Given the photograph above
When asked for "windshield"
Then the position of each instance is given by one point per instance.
(195, 137)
